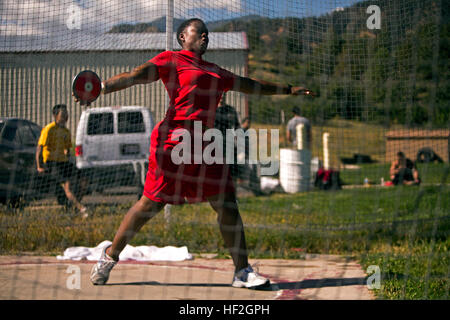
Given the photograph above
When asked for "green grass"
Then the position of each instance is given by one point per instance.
(403, 230)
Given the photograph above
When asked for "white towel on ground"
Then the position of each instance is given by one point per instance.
(139, 253)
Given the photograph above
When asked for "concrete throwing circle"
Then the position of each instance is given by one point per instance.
(315, 277)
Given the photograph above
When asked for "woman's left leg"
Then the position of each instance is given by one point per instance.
(231, 227)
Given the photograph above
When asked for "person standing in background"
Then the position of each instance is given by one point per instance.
(291, 132)
(53, 151)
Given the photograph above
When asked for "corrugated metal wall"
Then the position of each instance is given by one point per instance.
(31, 83)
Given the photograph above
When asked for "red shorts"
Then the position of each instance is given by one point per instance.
(172, 183)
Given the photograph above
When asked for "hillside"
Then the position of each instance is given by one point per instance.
(159, 25)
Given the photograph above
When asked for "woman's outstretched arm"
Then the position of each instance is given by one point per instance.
(251, 86)
(145, 73)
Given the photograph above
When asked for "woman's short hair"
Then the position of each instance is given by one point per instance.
(184, 25)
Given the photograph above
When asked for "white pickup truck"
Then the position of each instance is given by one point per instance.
(112, 146)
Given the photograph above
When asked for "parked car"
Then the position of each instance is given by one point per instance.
(112, 146)
(18, 139)
(19, 179)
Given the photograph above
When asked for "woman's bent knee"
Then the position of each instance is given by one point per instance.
(145, 205)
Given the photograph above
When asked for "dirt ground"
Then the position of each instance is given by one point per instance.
(203, 278)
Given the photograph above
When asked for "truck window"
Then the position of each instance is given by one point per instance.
(100, 123)
(131, 122)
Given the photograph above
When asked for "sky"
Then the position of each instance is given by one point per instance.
(30, 17)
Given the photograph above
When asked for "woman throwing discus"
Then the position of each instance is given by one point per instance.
(195, 88)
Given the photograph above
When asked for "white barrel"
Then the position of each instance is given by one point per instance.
(295, 170)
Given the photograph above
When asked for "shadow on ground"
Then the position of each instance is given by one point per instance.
(305, 284)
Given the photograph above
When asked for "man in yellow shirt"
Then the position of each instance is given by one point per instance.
(53, 151)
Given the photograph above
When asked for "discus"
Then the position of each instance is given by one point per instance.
(86, 86)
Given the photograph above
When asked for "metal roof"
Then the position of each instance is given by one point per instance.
(418, 133)
(80, 41)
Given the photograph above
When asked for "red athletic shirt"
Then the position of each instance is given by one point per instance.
(195, 86)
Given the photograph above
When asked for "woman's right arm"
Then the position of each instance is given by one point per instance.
(145, 73)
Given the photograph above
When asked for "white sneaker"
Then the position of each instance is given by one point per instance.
(248, 278)
(100, 271)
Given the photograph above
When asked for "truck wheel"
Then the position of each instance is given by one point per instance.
(254, 182)
(140, 191)
(138, 179)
